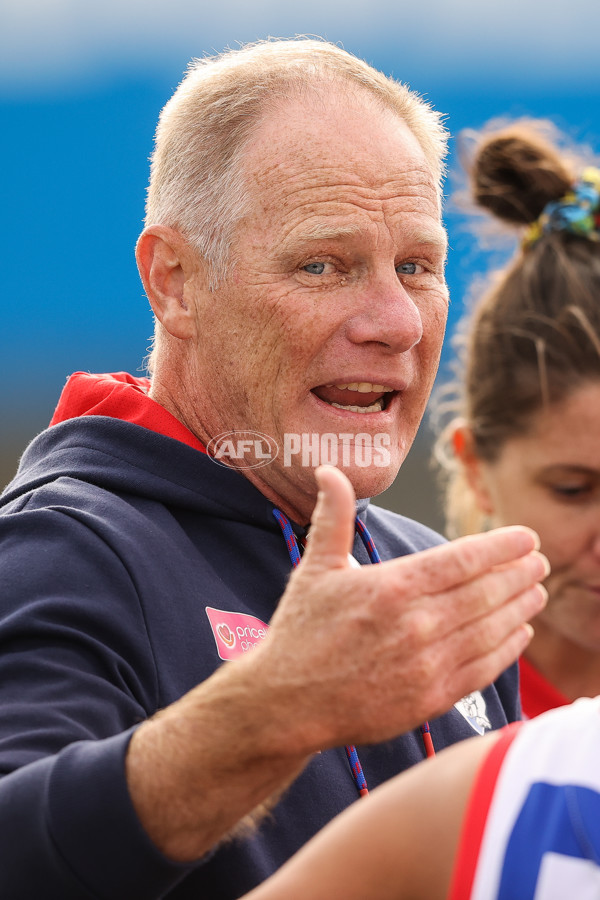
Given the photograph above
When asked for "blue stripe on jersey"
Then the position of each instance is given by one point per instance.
(554, 818)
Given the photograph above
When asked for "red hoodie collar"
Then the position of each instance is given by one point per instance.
(119, 396)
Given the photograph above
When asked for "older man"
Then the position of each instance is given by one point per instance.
(294, 259)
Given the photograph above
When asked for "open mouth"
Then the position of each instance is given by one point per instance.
(357, 396)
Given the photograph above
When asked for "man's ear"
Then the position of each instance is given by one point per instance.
(463, 447)
(167, 265)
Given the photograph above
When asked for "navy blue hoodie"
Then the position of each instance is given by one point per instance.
(114, 540)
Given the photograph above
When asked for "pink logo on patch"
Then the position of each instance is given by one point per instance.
(235, 633)
(226, 635)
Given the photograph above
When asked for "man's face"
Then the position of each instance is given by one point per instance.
(336, 283)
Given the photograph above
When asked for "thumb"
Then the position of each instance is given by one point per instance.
(332, 524)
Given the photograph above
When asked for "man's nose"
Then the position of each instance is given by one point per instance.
(386, 314)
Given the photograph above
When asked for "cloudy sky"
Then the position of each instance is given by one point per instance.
(47, 45)
(81, 86)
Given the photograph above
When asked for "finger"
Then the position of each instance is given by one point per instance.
(332, 524)
(484, 648)
(456, 562)
(486, 633)
(478, 673)
(482, 595)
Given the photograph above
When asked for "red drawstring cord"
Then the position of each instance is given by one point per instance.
(295, 557)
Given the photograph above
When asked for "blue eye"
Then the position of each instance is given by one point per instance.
(408, 268)
(314, 268)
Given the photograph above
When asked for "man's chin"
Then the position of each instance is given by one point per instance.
(293, 488)
(371, 482)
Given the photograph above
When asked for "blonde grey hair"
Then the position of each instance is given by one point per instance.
(197, 183)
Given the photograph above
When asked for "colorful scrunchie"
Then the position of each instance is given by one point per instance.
(578, 212)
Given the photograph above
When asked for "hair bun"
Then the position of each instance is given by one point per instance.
(516, 171)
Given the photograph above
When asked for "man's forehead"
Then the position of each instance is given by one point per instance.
(317, 138)
(305, 208)
(332, 173)
(342, 199)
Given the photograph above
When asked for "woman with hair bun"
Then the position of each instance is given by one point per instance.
(525, 447)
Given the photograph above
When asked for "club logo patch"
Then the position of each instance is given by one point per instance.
(235, 633)
(473, 708)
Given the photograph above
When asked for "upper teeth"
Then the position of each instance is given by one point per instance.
(363, 387)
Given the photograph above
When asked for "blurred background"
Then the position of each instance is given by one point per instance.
(81, 87)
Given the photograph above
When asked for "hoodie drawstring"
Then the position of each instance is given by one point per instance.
(369, 544)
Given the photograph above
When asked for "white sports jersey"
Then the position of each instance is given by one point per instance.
(532, 826)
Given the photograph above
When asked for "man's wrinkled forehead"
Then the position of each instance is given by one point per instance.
(311, 133)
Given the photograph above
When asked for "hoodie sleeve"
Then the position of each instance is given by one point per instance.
(77, 675)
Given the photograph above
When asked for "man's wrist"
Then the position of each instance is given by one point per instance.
(208, 761)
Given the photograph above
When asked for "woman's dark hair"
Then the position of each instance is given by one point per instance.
(534, 336)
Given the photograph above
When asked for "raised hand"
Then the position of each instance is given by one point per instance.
(365, 654)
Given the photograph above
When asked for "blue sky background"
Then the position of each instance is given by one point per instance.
(81, 87)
